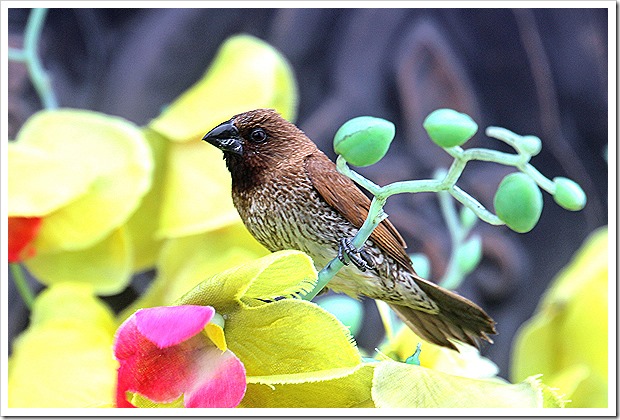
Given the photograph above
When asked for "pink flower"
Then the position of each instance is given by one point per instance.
(165, 353)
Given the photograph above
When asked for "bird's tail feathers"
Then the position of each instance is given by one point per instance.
(458, 318)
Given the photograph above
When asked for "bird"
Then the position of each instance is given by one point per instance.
(290, 195)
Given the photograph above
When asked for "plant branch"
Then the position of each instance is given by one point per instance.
(444, 184)
(22, 284)
(29, 56)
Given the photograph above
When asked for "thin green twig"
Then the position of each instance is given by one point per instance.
(22, 284)
(29, 56)
(452, 276)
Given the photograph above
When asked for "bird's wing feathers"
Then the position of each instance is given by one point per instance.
(345, 197)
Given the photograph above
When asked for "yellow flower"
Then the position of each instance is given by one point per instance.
(64, 358)
(567, 338)
(84, 173)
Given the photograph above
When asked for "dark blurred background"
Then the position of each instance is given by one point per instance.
(533, 71)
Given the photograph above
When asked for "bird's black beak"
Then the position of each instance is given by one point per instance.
(226, 138)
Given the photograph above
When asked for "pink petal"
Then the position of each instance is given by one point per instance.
(163, 365)
(126, 340)
(169, 325)
(220, 383)
(161, 375)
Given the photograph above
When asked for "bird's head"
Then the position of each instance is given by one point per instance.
(257, 141)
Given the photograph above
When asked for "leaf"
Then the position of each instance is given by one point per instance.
(106, 265)
(102, 149)
(398, 385)
(246, 74)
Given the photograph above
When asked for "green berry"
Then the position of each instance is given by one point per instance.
(469, 254)
(363, 141)
(569, 194)
(531, 145)
(468, 218)
(422, 264)
(449, 128)
(348, 311)
(518, 202)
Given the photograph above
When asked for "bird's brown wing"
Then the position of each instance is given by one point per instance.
(344, 196)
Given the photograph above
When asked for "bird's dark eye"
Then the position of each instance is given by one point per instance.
(258, 135)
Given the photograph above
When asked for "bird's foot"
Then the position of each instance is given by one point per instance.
(359, 257)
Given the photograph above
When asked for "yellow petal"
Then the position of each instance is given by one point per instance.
(143, 402)
(398, 385)
(196, 196)
(337, 388)
(246, 74)
(289, 336)
(591, 259)
(186, 261)
(118, 159)
(106, 265)
(216, 335)
(466, 362)
(278, 274)
(144, 222)
(64, 359)
(40, 183)
(567, 338)
(72, 301)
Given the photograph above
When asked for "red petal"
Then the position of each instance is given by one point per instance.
(22, 231)
(121, 390)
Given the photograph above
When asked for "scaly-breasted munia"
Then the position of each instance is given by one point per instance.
(290, 196)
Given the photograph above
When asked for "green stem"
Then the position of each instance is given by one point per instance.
(17, 55)
(473, 204)
(386, 318)
(22, 284)
(452, 276)
(29, 55)
(375, 216)
(508, 137)
(539, 178)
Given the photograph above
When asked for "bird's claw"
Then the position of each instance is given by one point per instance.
(359, 257)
